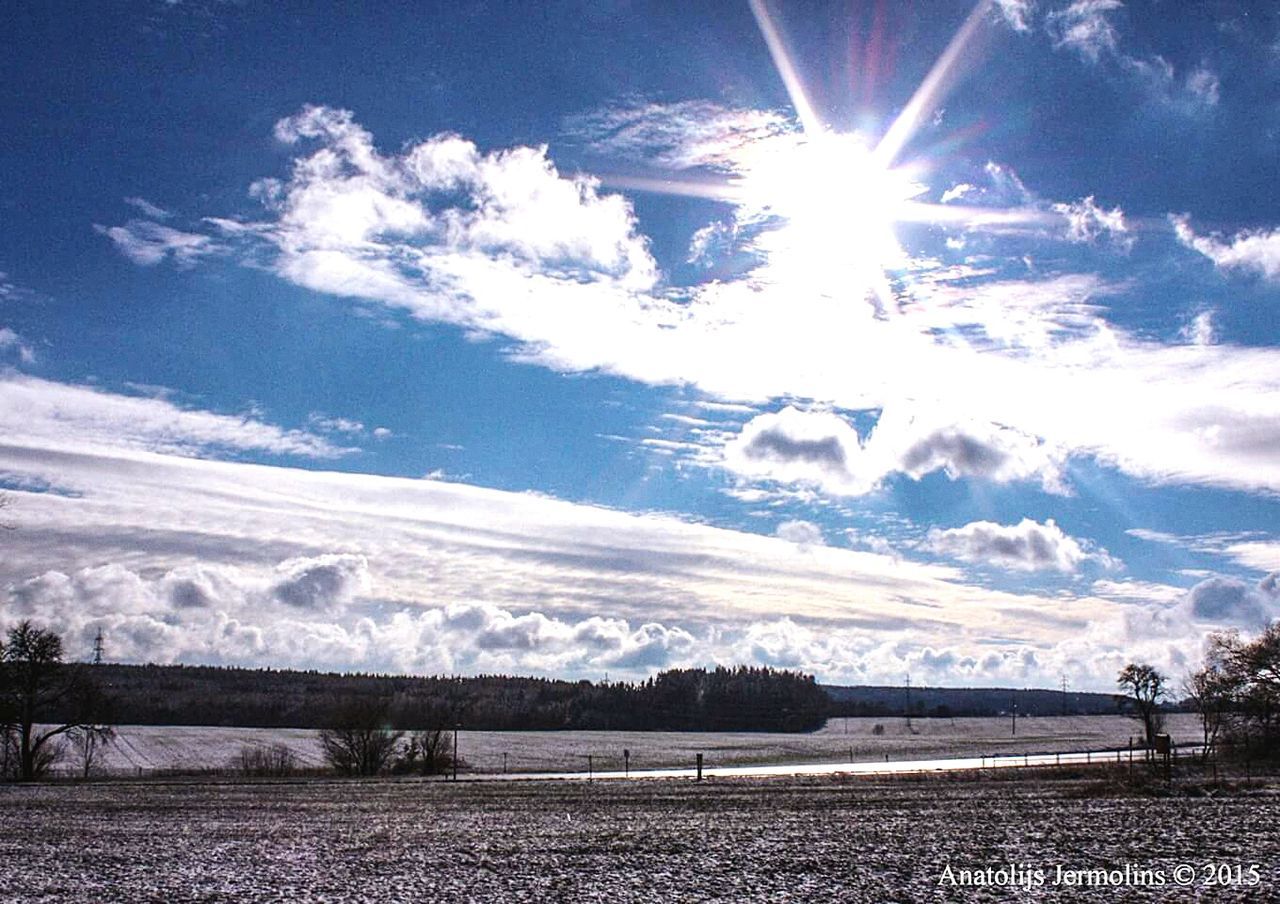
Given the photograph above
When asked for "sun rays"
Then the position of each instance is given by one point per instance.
(824, 203)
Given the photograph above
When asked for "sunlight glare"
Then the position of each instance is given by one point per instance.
(838, 203)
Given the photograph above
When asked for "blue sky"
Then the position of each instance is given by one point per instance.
(865, 338)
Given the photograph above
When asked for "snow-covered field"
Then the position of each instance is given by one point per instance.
(151, 749)
(847, 840)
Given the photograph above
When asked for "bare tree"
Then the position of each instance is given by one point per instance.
(88, 743)
(1145, 688)
(361, 743)
(36, 690)
(1250, 674)
(1212, 691)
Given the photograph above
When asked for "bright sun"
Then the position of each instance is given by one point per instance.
(826, 202)
(836, 207)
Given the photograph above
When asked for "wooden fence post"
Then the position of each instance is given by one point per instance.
(699, 767)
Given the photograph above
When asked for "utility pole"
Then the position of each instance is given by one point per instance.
(908, 701)
(1015, 714)
(1064, 693)
(97, 648)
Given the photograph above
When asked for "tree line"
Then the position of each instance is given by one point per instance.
(721, 699)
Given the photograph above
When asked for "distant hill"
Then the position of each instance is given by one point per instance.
(879, 700)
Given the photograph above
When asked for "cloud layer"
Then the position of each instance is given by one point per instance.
(346, 571)
(1028, 368)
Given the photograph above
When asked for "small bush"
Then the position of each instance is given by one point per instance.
(274, 761)
(424, 753)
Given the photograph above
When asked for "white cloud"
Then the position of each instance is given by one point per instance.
(321, 582)
(1231, 601)
(1260, 555)
(956, 192)
(1200, 330)
(795, 446)
(440, 196)
(1087, 222)
(148, 243)
(12, 342)
(801, 533)
(196, 560)
(678, 136)
(1253, 251)
(1258, 552)
(335, 424)
(1026, 546)
(499, 243)
(1017, 13)
(924, 442)
(148, 209)
(65, 416)
(1085, 26)
(823, 449)
(1203, 84)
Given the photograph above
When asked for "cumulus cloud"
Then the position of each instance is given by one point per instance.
(792, 445)
(1250, 251)
(440, 196)
(322, 582)
(207, 561)
(823, 449)
(920, 444)
(148, 243)
(1025, 546)
(1231, 601)
(500, 243)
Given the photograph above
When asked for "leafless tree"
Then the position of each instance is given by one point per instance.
(1144, 688)
(361, 742)
(1247, 674)
(37, 688)
(88, 743)
(1212, 690)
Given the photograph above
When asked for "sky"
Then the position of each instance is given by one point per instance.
(593, 339)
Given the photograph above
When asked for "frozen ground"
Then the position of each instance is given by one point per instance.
(186, 748)
(672, 840)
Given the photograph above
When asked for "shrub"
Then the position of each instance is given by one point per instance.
(274, 761)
